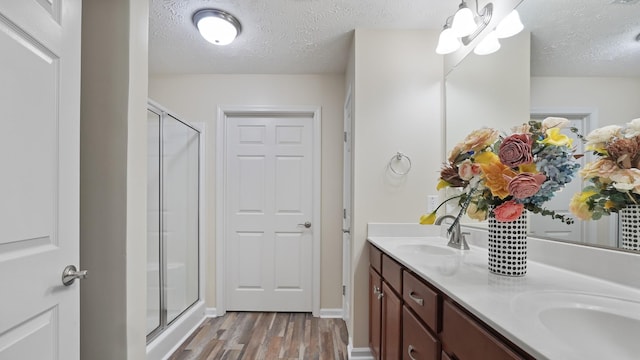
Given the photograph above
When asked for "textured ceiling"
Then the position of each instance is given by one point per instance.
(570, 37)
(583, 37)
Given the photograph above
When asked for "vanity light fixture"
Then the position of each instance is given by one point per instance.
(488, 45)
(465, 26)
(217, 26)
(464, 23)
(448, 42)
(509, 26)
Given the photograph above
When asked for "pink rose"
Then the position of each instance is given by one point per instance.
(525, 185)
(508, 211)
(516, 150)
(467, 170)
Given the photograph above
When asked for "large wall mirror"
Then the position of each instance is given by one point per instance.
(575, 59)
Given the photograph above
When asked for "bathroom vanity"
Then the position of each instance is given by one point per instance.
(429, 301)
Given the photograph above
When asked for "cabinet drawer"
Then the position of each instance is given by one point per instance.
(392, 273)
(466, 339)
(421, 299)
(417, 341)
(375, 258)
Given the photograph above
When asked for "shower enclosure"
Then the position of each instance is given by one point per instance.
(173, 219)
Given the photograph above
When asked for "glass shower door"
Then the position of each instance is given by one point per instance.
(173, 213)
(180, 174)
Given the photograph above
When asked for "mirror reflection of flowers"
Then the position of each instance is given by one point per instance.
(509, 172)
(614, 176)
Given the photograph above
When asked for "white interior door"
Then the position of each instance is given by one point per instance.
(39, 186)
(269, 183)
(346, 210)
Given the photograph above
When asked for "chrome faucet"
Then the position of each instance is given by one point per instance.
(456, 236)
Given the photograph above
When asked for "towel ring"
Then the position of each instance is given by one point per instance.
(398, 158)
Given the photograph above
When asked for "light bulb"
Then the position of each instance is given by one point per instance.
(509, 26)
(447, 42)
(216, 30)
(488, 45)
(464, 23)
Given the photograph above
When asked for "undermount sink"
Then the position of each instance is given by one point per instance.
(595, 326)
(426, 249)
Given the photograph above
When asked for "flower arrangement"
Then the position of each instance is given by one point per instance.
(509, 172)
(614, 176)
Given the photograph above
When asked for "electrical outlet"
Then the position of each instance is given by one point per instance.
(432, 203)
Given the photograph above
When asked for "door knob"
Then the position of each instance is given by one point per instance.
(71, 273)
(307, 224)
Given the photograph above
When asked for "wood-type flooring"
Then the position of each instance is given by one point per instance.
(254, 335)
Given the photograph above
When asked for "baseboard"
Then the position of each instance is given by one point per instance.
(331, 313)
(211, 312)
(358, 353)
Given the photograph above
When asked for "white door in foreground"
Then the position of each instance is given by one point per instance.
(39, 185)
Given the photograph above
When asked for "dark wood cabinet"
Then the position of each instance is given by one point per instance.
(375, 314)
(410, 319)
(391, 323)
(466, 339)
(417, 342)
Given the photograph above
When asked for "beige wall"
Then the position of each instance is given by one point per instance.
(398, 102)
(113, 179)
(196, 99)
(614, 99)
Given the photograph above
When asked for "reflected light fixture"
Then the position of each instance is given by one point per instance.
(448, 41)
(509, 26)
(462, 27)
(216, 26)
(464, 23)
(488, 45)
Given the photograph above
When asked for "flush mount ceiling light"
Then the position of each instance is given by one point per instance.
(216, 26)
(465, 26)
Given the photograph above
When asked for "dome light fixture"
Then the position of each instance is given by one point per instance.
(217, 26)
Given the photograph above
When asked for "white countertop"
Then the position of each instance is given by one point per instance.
(510, 304)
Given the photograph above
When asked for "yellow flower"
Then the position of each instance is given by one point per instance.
(578, 205)
(554, 137)
(496, 176)
(428, 219)
(609, 205)
(442, 184)
(487, 157)
(528, 168)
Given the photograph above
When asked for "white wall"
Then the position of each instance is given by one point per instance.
(490, 90)
(196, 98)
(397, 108)
(113, 179)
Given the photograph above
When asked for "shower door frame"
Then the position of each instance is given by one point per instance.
(162, 339)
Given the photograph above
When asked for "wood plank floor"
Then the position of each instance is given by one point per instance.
(253, 335)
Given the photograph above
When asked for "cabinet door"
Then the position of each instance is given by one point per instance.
(391, 324)
(417, 341)
(375, 307)
(466, 339)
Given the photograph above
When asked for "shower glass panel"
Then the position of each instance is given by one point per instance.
(173, 216)
(153, 222)
(180, 176)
